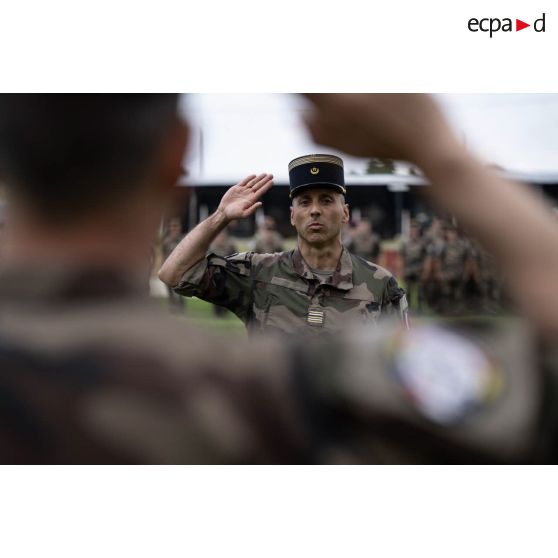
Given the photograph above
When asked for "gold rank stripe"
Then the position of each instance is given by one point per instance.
(315, 159)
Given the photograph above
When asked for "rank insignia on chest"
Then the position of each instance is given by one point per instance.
(316, 316)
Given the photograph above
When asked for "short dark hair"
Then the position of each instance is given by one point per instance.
(69, 154)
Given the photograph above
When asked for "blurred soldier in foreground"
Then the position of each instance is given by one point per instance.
(170, 242)
(92, 372)
(318, 287)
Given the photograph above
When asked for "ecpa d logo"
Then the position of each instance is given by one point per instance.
(493, 25)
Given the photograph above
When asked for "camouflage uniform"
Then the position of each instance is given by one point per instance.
(432, 275)
(280, 293)
(454, 255)
(221, 247)
(413, 253)
(93, 372)
(176, 303)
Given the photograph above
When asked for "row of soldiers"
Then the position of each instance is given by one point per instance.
(447, 272)
(443, 270)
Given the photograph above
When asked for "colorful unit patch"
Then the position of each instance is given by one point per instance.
(443, 374)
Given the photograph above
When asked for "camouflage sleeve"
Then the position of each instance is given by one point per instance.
(225, 281)
(373, 395)
(432, 394)
(394, 302)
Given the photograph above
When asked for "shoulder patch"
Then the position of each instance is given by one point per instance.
(445, 376)
(240, 263)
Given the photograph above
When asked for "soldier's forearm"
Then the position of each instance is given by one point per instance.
(192, 248)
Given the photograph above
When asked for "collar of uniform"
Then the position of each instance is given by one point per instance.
(342, 277)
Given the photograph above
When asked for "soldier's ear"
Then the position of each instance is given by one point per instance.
(345, 213)
(292, 222)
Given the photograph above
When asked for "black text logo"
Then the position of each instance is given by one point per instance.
(493, 25)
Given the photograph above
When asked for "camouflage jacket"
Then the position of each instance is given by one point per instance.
(280, 293)
(93, 372)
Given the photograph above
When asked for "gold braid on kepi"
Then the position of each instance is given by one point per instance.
(318, 171)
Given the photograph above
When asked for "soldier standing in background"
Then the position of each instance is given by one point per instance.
(413, 254)
(170, 242)
(223, 245)
(432, 279)
(364, 242)
(268, 240)
(454, 254)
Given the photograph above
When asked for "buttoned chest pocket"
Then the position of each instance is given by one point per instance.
(355, 309)
(280, 305)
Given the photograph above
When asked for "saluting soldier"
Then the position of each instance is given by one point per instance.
(317, 287)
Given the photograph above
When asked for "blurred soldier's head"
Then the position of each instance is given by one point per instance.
(365, 226)
(175, 228)
(317, 190)
(451, 235)
(83, 167)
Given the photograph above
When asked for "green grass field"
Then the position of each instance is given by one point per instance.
(203, 315)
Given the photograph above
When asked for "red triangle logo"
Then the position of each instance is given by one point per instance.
(519, 25)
